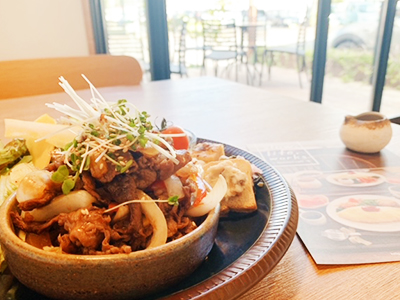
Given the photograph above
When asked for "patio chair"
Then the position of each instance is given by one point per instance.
(122, 40)
(19, 78)
(298, 49)
(179, 67)
(220, 43)
(253, 45)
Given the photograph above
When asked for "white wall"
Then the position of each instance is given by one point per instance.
(42, 28)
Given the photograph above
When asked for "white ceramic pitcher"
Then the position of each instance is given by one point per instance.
(368, 132)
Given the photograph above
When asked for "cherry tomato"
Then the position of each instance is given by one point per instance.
(181, 142)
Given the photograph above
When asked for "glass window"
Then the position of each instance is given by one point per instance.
(353, 33)
(260, 24)
(286, 30)
(390, 105)
(125, 28)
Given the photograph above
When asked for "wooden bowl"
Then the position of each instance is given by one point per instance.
(119, 276)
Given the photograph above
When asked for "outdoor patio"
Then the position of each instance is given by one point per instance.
(354, 97)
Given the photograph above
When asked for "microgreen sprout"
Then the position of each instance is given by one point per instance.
(164, 124)
(174, 200)
(62, 176)
(105, 129)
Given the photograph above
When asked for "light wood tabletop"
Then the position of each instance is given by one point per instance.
(239, 115)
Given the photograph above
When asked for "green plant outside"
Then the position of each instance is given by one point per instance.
(349, 65)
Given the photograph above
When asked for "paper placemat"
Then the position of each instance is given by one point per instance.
(349, 202)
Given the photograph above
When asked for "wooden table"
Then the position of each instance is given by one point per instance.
(239, 115)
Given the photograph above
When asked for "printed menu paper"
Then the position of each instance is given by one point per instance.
(349, 203)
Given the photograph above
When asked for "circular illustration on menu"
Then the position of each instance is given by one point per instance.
(312, 201)
(356, 179)
(366, 212)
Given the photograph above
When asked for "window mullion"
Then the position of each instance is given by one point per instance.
(381, 57)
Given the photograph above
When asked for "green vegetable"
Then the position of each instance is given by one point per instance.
(128, 165)
(8, 182)
(62, 176)
(164, 125)
(6, 188)
(68, 185)
(25, 159)
(173, 200)
(12, 152)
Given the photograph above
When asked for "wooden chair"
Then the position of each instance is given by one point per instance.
(19, 78)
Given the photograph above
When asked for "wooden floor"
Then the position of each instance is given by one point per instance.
(354, 97)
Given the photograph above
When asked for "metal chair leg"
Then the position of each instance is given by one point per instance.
(299, 67)
(203, 68)
(237, 70)
(270, 62)
(304, 67)
(262, 66)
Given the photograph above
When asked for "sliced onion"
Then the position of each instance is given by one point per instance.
(174, 187)
(210, 201)
(149, 152)
(19, 171)
(157, 220)
(33, 185)
(63, 204)
(122, 212)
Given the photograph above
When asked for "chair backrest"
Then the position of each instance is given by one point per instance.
(123, 41)
(261, 34)
(301, 36)
(219, 35)
(254, 29)
(19, 78)
(182, 45)
(179, 65)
